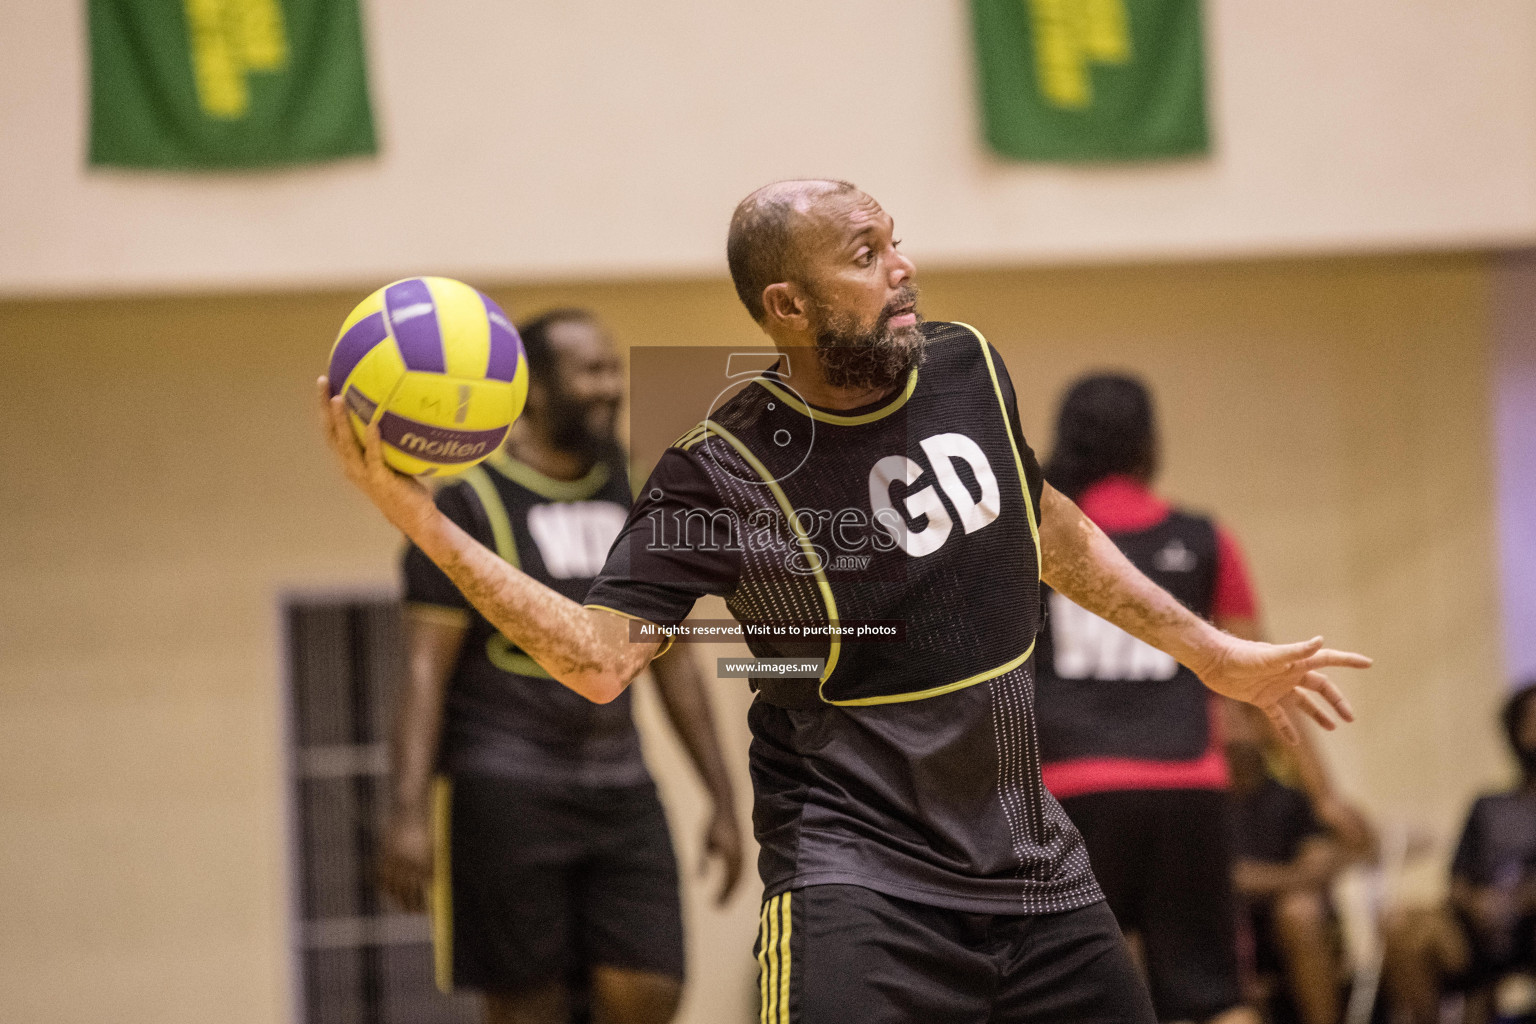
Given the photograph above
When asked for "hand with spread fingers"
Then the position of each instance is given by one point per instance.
(1280, 680)
(405, 502)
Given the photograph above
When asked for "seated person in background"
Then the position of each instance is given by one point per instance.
(1486, 932)
(1289, 844)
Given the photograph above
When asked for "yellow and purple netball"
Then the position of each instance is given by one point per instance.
(439, 366)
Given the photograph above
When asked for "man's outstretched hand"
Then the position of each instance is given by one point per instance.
(1279, 679)
(402, 499)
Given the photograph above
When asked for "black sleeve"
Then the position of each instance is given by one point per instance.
(657, 569)
(1468, 864)
(425, 583)
(1033, 476)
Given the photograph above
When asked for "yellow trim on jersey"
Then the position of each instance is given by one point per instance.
(547, 486)
(441, 894)
(939, 691)
(835, 645)
(495, 513)
(692, 434)
(438, 614)
(836, 418)
(774, 927)
(615, 611)
(1018, 461)
(663, 649)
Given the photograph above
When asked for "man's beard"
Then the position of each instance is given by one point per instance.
(571, 430)
(875, 358)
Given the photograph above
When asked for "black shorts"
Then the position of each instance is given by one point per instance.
(1164, 860)
(538, 885)
(843, 954)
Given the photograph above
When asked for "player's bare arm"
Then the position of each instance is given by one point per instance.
(585, 649)
(687, 706)
(1084, 565)
(433, 643)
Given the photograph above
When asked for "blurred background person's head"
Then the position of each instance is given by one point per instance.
(1105, 427)
(576, 383)
(1519, 721)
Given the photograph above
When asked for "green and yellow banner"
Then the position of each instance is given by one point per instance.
(1092, 79)
(227, 83)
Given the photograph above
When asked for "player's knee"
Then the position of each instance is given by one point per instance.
(623, 996)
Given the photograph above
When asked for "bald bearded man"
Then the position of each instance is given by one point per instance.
(914, 866)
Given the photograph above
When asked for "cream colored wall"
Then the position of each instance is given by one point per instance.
(582, 138)
(163, 487)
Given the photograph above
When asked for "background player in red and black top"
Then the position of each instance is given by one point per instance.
(555, 874)
(916, 867)
(1132, 743)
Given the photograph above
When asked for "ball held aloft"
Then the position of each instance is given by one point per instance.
(438, 366)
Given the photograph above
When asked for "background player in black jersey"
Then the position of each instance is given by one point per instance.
(558, 871)
(915, 867)
(1146, 779)
(1482, 939)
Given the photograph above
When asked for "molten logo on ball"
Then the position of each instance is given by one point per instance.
(447, 451)
(439, 444)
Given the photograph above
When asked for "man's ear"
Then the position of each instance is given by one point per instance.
(784, 303)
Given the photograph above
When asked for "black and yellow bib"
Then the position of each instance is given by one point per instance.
(874, 518)
(504, 715)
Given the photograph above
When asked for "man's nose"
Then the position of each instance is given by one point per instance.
(902, 270)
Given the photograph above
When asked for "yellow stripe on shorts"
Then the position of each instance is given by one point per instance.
(762, 963)
(441, 896)
(773, 959)
(784, 929)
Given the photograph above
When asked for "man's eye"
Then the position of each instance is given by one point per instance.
(895, 243)
(866, 256)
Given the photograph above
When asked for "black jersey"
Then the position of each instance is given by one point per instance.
(910, 766)
(1103, 693)
(505, 716)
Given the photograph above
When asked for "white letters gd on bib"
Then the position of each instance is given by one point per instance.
(942, 450)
